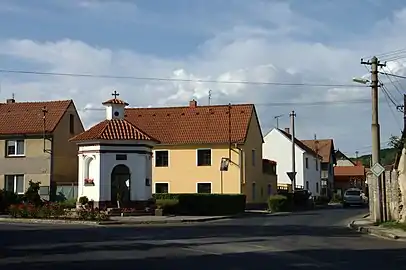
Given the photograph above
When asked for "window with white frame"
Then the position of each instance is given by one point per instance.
(15, 148)
(161, 188)
(14, 183)
(203, 157)
(203, 187)
(161, 158)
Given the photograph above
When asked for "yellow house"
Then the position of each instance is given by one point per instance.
(34, 144)
(197, 140)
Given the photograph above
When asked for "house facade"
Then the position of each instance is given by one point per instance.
(342, 159)
(115, 159)
(277, 146)
(34, 144)
(348, 174)
(325, 148)
(196, 142)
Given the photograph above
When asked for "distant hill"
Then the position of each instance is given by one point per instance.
(388, 156)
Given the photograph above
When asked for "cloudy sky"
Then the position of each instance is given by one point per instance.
(310, 43)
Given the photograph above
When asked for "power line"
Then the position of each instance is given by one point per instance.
(381, 55)
(392, 75)
(271, 104)
(172, 79)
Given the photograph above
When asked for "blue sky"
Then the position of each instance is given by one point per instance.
(314, 41)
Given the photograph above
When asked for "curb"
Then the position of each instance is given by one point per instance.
(372, 231)
(47, 221)
(113, 222)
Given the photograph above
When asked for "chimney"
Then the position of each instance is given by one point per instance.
(287, 130)
(193, 103)
(10, 100)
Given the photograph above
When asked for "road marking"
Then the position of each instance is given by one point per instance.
(202, 251)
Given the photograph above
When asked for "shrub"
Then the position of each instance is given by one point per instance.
(32, 196)
(8, 198)
(91, 214)
(336, 198)
(68, 204)
(169, 206)
(322, 200)
(83, 200)
(278, 203)
(206, 204)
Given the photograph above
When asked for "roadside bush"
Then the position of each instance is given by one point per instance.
(31, 196)
(8, 198)
(169, 206)
(321, 200)
(336, 198)
(206, 204)
(278, 203)
(68, 204)
(55, 211)
(83, 200)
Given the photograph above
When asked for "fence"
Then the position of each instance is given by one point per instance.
(391, 198)
(66, 192)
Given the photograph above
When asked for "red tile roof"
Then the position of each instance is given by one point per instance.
(115, 129)
(349, 171)
(194, 124)
(115, 101)
(300, 143)
(324, 147)
(27, 117)
(269, 161)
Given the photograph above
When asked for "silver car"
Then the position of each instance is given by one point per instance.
(353, 196)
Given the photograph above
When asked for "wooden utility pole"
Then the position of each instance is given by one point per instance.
(378, 212)
(292, 128)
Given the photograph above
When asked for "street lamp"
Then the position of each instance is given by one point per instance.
(225, 162)
(360, 80)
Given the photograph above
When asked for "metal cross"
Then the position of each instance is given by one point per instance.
(115, 94)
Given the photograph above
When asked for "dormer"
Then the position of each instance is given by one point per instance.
(115, 107)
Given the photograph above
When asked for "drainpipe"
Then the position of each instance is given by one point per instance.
(241, 164)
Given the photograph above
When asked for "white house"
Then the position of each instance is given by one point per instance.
(115, 161)
(278, 147)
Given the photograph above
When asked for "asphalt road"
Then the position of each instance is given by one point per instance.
(308, 240)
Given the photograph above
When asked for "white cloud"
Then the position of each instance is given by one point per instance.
(245, 52)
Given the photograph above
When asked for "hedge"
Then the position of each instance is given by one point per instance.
(199, 204)
(279, 203)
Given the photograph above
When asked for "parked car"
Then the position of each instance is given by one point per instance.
(353, 196)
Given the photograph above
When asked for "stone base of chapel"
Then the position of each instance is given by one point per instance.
(137, 205)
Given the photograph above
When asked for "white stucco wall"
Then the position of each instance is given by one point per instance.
(278, 147)
(312, 174)
(139, 164)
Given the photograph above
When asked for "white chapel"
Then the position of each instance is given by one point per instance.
(115, 160)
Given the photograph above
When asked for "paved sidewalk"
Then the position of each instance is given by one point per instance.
(365, 225)
(139, 219)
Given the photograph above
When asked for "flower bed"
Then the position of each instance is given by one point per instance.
(56, 211)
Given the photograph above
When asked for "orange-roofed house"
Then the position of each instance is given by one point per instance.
(34, 145)
(346, 177)
(325, 148)
(206, 149)
(115, 160)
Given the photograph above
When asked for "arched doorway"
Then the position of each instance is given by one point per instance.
(120, 185)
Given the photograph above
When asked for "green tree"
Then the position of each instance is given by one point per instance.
(395, 142)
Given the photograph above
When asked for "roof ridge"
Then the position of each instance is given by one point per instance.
(37, 102)
(185, 107)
